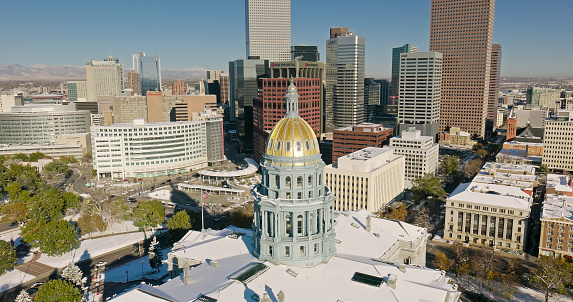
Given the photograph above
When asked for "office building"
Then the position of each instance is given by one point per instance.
(104, 78)
(493, 99)
(351, 139)
(520, 176)
(178, 87)
(302, 69)
(7, 101)
(557, 226)
(489, 215)
(396, 52)
(420, 152)
(345, 55)
(371, 98)
(243, 89)
(224, 88)
(268, 29)
(338, 31)
(419, 92)
(304, 53)
(136, 61)
(134, 82)
(557, 143)
(149, 73)
(456, 137)
(384, 91)
(214, 84)
(543, 97)
(462, 31)
(77, 90)
(140, 149)
(368, 179)
(270, 107)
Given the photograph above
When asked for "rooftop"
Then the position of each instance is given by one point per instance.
(365, 160)
(492, 195)
(515, 169)
(557, 206)
(561, 183)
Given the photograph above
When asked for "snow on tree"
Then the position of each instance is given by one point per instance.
(74, 275)
(155, 255)
(23, 297)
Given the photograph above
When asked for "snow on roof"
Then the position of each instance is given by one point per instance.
(557, 206)
(559, 182)
(492, 195)
(505, 182)
(351, 231)
(523, 169)
(232, 251)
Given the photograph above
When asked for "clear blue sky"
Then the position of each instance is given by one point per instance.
(536, 36)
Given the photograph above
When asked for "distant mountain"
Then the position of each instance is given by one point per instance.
(42, 72)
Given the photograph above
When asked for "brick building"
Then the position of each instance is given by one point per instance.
(351, 139)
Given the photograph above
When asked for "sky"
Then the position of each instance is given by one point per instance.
(536, 36)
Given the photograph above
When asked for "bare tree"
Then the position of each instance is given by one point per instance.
(552, 275)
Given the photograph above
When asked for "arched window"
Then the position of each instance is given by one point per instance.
(287, 182)
(299, 224)
(299, 182)
(288, 225)
(310, 180)
(278, 181)
(302, 250)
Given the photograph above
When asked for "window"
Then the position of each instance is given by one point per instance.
(302, 250)
(288, 225)
(299, 224)
(278, 181)
(271, 250)
(316, 248)
(310, 180)
(287, 251)
(299, 182)
(287, 182)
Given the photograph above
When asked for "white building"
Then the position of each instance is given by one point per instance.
(488, 215)
(268, 29)
(420, 92)
(144, 149)
(7, 101)
(557, 142)
(104, 78)
(220, 266)
(367, 179)
(42, 123)
(421, 152)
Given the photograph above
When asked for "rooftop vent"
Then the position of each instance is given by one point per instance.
(392, 281)
(249, 273)
(367, 279)
(204, 298)
(292, 273)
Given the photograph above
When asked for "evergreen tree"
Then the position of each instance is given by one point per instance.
(58, 290)
(155, 255)
(74, 275)
(7, 256)
(23, 297)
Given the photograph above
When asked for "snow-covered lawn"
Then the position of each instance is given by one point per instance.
(13, 278)
(116, 228)
(135, 269)
(160, 194)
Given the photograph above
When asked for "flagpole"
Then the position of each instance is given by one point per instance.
(202, 204)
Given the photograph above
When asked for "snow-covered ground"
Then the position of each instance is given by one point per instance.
(116, 228)
(160, 194)
(136, 270)
(13, 278)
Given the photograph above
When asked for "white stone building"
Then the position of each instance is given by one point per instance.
(367, 179)
(268, 29)
(420, 152)
(144, 149)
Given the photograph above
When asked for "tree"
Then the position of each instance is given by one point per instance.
(91, 222)
(155, 255)
(441, 261)
(484, 264)
(58, 167)
(68, 159)
(115, 211)
(20, 156)
(57, 237)
(428, 185)
(450, 165)
(460, 261)
(34, 157)
(46, 205)
(71, 200)
(472, 168)
(552, 275)
(58, 290)
(14, 212)
(180, 220)
(240, 219)
(481, 153)
(398, 213)
(23, 296)
(478, 146)
(74, 275)
(7, 256)
(543, 169)
(148, 214)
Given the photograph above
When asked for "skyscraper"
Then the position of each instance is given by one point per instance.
(149, 73)
(345, 54)
(493, 99)
(104, 78)
(396, 51)
(304, 53)
(371, 98)
(462, 31)
(268, 29)
(419, 93)
(134, 82)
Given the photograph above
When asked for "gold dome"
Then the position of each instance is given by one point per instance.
(292, 136)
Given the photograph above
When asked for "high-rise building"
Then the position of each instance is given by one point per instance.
(150, 74)
(136, 60)
(419, 93)
(543, 97)
(557, 143)
(493, 100)
(76, 90)
(421, 152)
(134, 82)
(345, 55)
(104, 78)
(214, 84)
(371, 98)
(462, 31)
(338, 31)
(396, 51)
(224, 88)
(270, 107)
(304, 53)
(178, 87)
(384, 91)
(268, 29)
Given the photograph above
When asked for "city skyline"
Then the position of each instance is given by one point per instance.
(523, 30)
